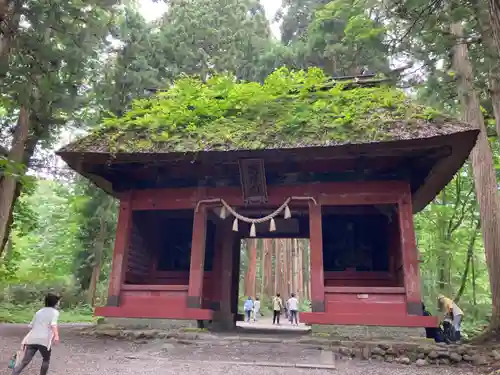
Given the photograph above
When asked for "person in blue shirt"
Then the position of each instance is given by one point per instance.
(248, 307)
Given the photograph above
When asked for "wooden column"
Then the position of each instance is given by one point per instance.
(395, 263)
(226, 276)
(120, 252)
(409, 255)
(223, 317)
(216, 281)
(316, 258)
(196, 270)
(235, 275)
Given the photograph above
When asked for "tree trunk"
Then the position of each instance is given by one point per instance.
(443, 250)
(494, 12)
(468, 261)
(483, 170)
(306, 269)
(284, 268)
(269, 267)
(99, 249)
(286, 265)
(300, 282)
(295, 255)
(251, 270)
(10, 13)
(263, 265)
(276, 266)
(9, 183)
(492, 54)
(31, 144)
(473, 271)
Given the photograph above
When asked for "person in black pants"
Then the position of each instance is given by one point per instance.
(277, 307)
(43, 334)
(434, 333)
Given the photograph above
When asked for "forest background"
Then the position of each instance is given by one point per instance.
(66, 65)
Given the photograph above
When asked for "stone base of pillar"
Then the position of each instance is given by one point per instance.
(223, 321)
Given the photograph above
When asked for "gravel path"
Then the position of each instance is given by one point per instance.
(77, 355)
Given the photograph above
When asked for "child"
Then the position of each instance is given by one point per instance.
(256, 309)
(42, 335)
(277, 306)
(248, 307)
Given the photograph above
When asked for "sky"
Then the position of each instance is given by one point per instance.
(152, 10)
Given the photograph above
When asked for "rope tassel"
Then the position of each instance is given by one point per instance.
(288, 214)
(235, 225)
(223, 213)
(272, 225)
(252, 230)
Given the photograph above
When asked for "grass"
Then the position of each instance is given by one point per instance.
(11, 313)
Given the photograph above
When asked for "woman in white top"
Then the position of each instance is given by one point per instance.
(42, 335)
(293, 307)
(256, 309)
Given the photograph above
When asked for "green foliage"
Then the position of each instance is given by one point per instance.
(201, 37)
(12, 313)
(288, 110)
(47, 249)
(450, 247)
(345, 38)
(97, 222)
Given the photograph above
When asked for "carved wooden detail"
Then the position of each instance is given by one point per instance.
(253, 181)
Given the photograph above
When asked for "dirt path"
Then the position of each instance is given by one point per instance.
(77, 355)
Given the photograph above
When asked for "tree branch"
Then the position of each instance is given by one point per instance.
(470, 253)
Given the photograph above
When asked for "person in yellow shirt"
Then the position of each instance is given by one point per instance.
(451, 309)
(277, 307)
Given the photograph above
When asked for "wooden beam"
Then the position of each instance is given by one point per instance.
(196, 270)
(120, 252)
(341, 194)
(316, 258)
(410, 256)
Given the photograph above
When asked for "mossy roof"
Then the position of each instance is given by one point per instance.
(290, 110)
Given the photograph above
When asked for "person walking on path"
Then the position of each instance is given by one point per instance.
(277, 307)
(248, 307)
(451, 309)
(256, 309)
(293, 308)
(42, 336)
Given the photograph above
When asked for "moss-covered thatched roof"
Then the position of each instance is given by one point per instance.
(290, 110)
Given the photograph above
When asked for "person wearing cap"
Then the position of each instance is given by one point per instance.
(451, 309)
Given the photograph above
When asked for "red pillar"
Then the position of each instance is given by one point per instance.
(223, 317)
(316, 258)
(395, 263)
(215, 279)
(226, 276)
(120, 252)
(196, 270)
(409, 255)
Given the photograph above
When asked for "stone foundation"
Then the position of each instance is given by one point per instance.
(367, 332)
(161, 324)
(408, 351)
(418, 353)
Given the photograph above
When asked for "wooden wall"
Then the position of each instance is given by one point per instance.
(139, 258)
